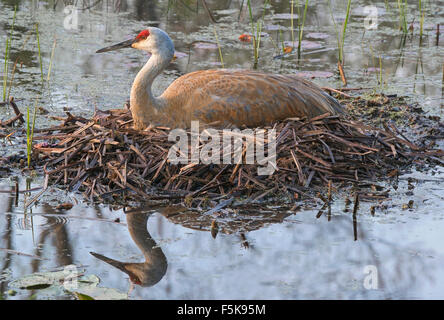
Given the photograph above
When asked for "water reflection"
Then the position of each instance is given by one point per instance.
(154, 268)
(292, 254)
(6, 243)
(55, 235)
(151, 271)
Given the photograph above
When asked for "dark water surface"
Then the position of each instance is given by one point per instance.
(279, 255)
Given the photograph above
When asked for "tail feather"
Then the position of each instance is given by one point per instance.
(335, 106)
(319, 101)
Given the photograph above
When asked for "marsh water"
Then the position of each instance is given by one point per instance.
(274, 254)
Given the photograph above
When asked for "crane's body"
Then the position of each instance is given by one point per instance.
(221, 96)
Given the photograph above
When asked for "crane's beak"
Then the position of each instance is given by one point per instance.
(124, 44)
(122, 266)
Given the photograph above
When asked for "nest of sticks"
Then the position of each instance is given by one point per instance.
(107, 160)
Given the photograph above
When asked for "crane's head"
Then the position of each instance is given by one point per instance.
(144, 274)
(152, 40)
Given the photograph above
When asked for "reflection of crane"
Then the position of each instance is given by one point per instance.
(151, 271)
(238, 97)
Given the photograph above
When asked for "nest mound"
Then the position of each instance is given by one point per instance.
(108, 160)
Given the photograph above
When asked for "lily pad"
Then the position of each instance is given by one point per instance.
(285, 16)
(205, 45)
(317, 35)
(70, 280)
(306, 44)
(42, 280)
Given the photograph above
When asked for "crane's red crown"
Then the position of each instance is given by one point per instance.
(142, 35)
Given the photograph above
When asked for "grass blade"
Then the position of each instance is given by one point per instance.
(50, 60)
(8, 47)
(30, 132)
(5, 70)
(344, 28)
(40, 53)
(218, 46)
(301, 29)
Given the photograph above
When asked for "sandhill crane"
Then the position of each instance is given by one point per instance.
(220, 96)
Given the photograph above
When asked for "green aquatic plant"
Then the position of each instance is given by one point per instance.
(380, 72)
(344, 28)
(281, 38)
(301, 25)
(421, 18)
(11, 81)
(30, 132)
(40, 53)
(340, 37)
(8, 48)
(50, 60)
(402, 6)
(291, 21)
(256, 30)
(379, 75)
(220, 50)
(5, 70)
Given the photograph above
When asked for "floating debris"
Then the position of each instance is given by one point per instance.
(245, 37)
(214, 229)
(408, 205)
(64, 206)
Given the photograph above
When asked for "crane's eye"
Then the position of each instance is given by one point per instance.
(142, 35)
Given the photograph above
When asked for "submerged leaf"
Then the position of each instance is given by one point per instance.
(37, 286)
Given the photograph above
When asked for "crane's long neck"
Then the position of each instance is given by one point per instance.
(154, 268)
(144, 105)
(137, 226)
